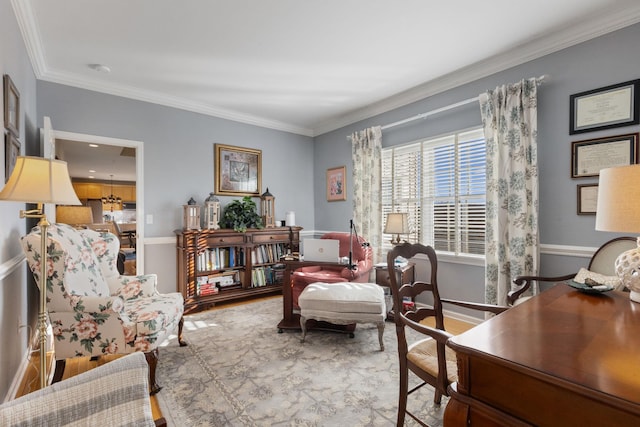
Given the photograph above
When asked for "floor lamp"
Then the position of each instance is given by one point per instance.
(39, 180)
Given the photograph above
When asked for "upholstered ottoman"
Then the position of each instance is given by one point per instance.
(343, 304)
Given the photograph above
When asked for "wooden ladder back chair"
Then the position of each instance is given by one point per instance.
(427, 357)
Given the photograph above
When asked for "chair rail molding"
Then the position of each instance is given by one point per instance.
(565, 250)
(9, 266)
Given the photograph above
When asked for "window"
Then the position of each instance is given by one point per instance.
(440, 183)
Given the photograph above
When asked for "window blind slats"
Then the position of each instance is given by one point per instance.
(440, 183)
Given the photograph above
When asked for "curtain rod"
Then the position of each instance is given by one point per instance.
(539, 81)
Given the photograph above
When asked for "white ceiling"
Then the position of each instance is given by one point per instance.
(306, 67)
(100, 162)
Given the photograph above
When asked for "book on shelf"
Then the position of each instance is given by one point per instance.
(220, 257)
(205, 286)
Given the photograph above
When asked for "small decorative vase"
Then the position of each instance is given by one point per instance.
(628, 270)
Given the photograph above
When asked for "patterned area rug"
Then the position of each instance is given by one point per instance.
(239, 371)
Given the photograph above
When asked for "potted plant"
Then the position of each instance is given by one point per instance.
(241, 214)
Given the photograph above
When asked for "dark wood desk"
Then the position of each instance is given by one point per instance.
(563, 358)
(291, 320)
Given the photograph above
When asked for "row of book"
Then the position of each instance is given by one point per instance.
(268, 253)
(271, 275)
(219, 258)
(211, 284)
(229, 257)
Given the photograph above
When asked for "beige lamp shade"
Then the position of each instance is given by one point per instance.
(618, 207)
(39, 180)
(74, 215)
(397, 223)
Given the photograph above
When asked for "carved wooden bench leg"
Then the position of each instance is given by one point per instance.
(152, 361)
(59, 370)
(180, 340)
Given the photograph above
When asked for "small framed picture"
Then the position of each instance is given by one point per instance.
(591, 155)
(337, 184)
(587, 199)
(604, 108)
(11, 107)
(11, 153)
(238, 170)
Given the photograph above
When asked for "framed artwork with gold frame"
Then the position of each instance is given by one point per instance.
(337, 184)
(238, 171)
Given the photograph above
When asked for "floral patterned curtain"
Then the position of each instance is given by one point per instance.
(509, 118)
(367, 170)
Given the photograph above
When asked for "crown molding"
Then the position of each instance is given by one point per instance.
(170, 101)
(30, 35)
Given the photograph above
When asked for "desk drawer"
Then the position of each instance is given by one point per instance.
(226, 240)
(271, 238)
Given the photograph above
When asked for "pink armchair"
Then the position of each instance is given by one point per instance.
(334, 273)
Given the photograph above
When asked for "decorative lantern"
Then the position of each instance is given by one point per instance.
(267, 208)
(212, 212)
(191, 215)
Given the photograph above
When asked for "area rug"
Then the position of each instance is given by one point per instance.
(239, 371)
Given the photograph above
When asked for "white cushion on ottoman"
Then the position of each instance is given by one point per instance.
(345, 297)
(343, 303)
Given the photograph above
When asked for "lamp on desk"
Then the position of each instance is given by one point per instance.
(39, 180)
(618, 209)
(397, 223)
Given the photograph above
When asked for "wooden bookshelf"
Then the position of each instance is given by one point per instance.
(215, 266)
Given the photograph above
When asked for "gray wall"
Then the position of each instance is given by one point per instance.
(18, 295)
(609, 59)
(179, 151)
(179, 160)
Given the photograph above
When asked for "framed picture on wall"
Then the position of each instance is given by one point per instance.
(337, 184)
(607, 107)
(11, 107)
(11, 153)
(587, 199)
(591, 155)
(238, 171)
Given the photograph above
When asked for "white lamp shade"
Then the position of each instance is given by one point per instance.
(618, 207)
(397, 223)
(39, 180)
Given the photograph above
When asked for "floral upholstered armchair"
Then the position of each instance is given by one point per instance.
(94, 310)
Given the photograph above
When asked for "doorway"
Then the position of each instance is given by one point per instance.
(130, 154)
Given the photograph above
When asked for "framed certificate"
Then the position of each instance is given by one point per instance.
(587, 199)
(589, 156)
(604, 108)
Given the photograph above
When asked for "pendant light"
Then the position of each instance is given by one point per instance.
(111, 199)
